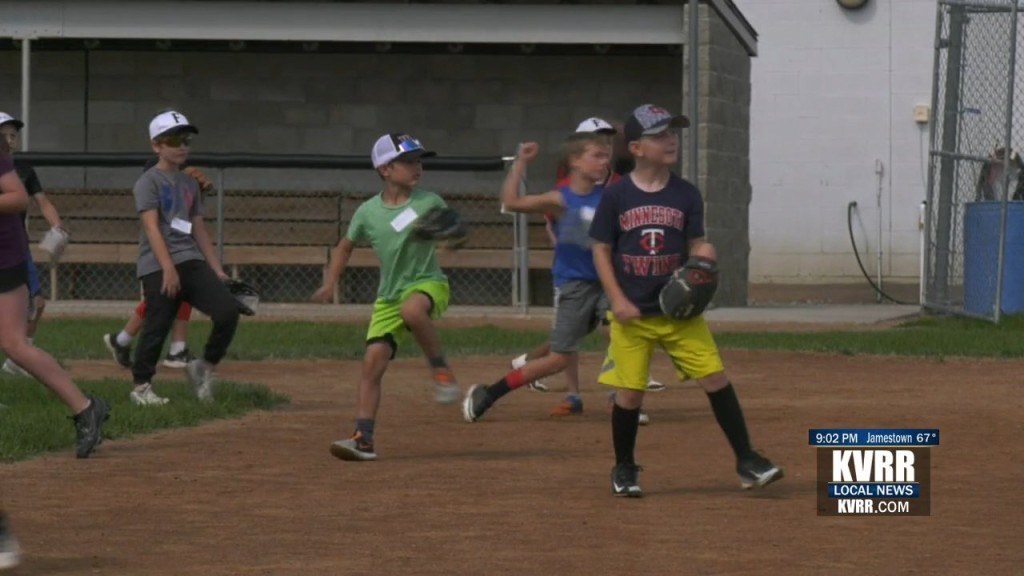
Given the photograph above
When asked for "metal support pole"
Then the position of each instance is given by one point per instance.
(693, 45)
(523, 253)
(220, 215)
(26, 90)
(950, 139)
(1007, 153)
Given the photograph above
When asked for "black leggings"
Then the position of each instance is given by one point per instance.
(201, 288)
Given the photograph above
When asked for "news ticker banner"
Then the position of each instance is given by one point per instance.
(874, 471)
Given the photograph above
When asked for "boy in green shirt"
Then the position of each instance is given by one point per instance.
(413, 292)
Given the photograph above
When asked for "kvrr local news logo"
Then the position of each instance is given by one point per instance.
(875, 479)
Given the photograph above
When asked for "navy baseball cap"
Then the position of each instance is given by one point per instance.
(649, 119)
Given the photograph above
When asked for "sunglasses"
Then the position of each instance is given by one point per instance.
(406, 144)
(176, 141)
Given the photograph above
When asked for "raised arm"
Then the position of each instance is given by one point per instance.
(548, 202)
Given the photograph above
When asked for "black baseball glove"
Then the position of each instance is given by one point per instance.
(441, 225)
(690, 289)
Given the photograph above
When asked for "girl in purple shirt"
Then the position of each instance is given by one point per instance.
(89, 412)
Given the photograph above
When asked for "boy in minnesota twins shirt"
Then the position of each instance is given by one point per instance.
(646, 226)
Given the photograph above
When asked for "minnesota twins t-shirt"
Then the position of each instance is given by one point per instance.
(175, 197)
(649, 233)
(404, 261)
(13, 240)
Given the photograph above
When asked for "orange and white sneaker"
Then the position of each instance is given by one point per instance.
(446, 389)
(571, 406)
(354, 449)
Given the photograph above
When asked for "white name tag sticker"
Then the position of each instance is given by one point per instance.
(402, 221)
(183, 226)
(587, 213)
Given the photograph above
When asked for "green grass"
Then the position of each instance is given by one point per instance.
(929, 337)
(34, 422)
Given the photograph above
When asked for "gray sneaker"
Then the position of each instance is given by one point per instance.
(143, 395)
(14, 370)
(9, 551)
(353, 449)
(89, 426)
(446, 390)
(200, 373)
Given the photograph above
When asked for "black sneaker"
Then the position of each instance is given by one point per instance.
(624, 481)
(756, 471)
(477, 402)
(179, 360)
(122, 354)
(89, 426)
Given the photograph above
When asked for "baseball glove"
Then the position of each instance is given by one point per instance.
(441, 225)
(54, 242)
(690, 289)
(205, 185)
(247, 297)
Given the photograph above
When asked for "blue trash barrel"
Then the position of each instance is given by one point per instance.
(981, 257)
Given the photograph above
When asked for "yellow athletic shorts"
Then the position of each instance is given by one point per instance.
(387, 315)
(687, 342)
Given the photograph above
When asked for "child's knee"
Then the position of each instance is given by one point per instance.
(416, 309)
(226, 315)
(713, 382)
(560, 360)
(13, 345)
(628, 398)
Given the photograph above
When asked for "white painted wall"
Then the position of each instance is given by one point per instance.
(834, 92)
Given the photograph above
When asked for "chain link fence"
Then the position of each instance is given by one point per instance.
(276, 228)
(974, 247)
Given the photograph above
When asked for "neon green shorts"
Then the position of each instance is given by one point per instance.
(386, 324)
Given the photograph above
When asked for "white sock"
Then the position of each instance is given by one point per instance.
(124, 338)
(176, 348)
(519, 362)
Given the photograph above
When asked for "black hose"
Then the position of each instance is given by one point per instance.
(849, 227)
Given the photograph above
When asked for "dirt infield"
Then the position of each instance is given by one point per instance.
(521, 493)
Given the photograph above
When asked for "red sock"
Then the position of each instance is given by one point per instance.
(515, 379)
(510, 382)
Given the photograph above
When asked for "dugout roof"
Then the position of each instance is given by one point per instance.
(621, 22)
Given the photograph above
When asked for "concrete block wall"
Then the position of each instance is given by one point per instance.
(474, 105)
(723, 164)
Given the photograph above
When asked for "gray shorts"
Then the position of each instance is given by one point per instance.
(580, 306)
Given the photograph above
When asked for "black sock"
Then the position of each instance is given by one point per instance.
(498, 389)
(439, 362)
(365, 427)
(727, 411)
(625, 424)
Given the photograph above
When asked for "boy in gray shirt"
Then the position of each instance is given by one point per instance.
(177, 262)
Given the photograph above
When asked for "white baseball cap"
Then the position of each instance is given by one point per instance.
(165, 122)
(596, 125)
(6, 118)
(391, 146)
